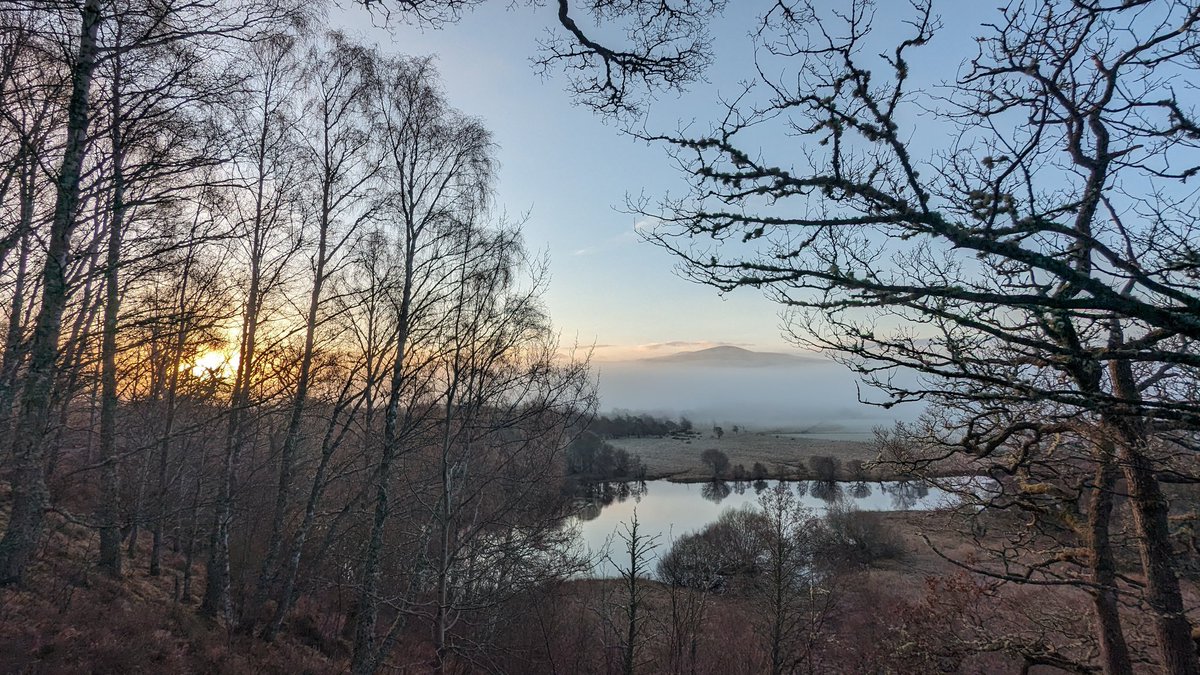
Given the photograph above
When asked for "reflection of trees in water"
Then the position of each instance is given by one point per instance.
(715, 491)
(826, 490)
(638, 490)
(588, 509)
(595, 496)
(905, 494)
(622, 492)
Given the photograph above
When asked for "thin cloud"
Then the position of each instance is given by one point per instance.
(690, 344)
(646, 225)
(618, 241)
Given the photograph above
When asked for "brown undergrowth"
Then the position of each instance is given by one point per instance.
(70, 618)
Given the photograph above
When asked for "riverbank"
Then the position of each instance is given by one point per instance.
(869, 476)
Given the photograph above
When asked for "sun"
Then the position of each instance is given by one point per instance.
(214, 364)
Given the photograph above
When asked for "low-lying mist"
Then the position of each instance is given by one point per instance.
(810, 395)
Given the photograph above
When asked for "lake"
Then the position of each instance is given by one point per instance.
(669, 510)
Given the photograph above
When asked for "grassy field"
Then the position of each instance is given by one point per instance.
(784, 456)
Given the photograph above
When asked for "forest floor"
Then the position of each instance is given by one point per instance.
(68, 617)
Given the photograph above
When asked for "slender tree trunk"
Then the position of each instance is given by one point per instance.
(364, 658)
(189, 549)
(1114, 652)
(289, 590)
(29, 494)
(108, 513)
(633, 605)
(779, 600)
(164, 452)
(216, 588)
(171, 404)
(291, 441)
(444, 516)
(10, 362)
(139, 497)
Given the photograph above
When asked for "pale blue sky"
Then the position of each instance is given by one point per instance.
(571, 172)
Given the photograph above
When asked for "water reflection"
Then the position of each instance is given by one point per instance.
(669, 510)
(716, 491)
(905, 494)
(592, 498)
(826, 490)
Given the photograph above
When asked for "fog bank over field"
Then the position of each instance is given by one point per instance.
(730, 385)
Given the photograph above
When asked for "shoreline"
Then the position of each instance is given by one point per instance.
(691, 477)
(770, 456)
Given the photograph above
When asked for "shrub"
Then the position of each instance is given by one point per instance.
(857, 537)
(716, 461)
(705, 560)
(758, 471)
(824, 467)
(855, 468)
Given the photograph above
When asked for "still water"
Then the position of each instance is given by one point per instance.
(669, 510)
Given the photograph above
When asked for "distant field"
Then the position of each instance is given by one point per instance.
(784, 456)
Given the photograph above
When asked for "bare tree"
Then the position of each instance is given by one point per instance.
(794, 603)
(155, 112)
(268, 223)
(182, 23)
(439, 167)
(634, 569)
(335, 144)
(1008, 268)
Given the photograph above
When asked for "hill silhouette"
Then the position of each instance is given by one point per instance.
(729, 356)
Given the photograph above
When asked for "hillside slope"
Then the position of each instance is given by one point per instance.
(69, 618)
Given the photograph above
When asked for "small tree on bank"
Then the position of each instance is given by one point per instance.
(716, 461)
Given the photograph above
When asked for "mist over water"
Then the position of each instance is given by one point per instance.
(809, 395)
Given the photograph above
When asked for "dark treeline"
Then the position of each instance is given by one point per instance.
(625, 425)
(590, 457)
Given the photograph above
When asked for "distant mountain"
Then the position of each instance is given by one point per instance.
(727, 356)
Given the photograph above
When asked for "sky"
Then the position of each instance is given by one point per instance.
(571, 174)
